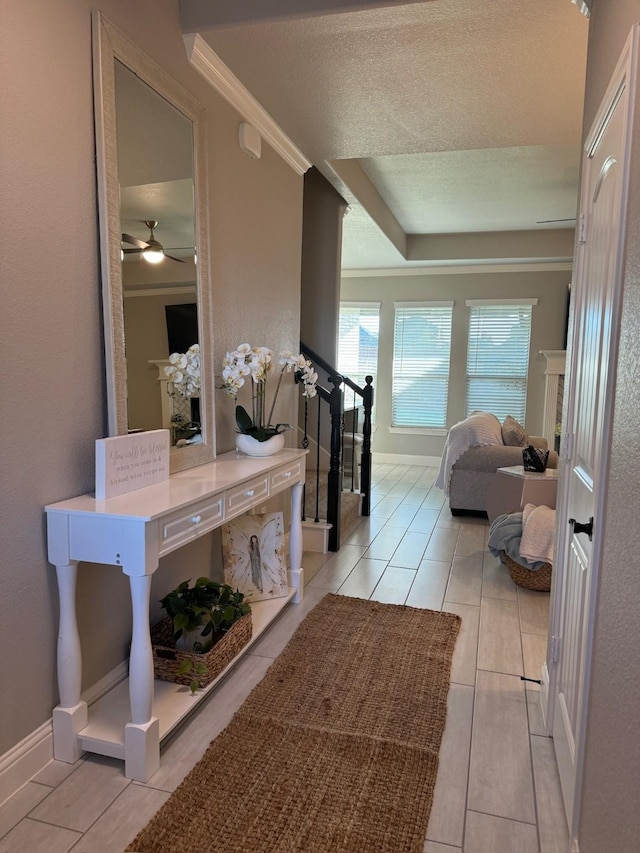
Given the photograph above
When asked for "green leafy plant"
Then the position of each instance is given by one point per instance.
(190, 607)
(260, 433)
(188, 666)
(207, 605)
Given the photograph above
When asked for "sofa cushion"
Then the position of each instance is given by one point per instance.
(513, 433)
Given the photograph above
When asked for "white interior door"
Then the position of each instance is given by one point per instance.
(596, 291)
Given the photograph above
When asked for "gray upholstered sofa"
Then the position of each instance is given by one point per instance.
(473, 473)
(474, 470)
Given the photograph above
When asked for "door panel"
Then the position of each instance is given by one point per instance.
(595, 328)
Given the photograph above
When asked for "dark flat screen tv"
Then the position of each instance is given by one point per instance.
(182, 326)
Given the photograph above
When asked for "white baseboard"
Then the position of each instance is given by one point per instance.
(405, 459)
(27, 758)
(110, 680)
(544, 695)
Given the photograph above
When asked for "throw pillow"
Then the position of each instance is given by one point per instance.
(513, 433)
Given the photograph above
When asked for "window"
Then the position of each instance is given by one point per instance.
(421, 353)
(498, 356)
(358, 341)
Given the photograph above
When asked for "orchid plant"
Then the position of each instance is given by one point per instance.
(184, 371)
(256, 364)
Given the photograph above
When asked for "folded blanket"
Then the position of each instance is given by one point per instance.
(538, 533)
(505, 535)
(478, 430)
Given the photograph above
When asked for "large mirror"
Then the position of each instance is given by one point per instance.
(152, 190)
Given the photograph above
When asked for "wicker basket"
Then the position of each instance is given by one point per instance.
(539, 580)
(167, 659)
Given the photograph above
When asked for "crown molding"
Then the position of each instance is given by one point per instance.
(217, 74)
(458, 269)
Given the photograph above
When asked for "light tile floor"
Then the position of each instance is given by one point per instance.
(498, 789)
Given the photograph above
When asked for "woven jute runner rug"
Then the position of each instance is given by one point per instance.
(335, 751)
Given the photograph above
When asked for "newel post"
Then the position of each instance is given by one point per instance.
(334, 495)
(365, 473)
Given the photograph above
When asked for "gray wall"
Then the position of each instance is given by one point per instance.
(610, 816)
(547, 331)
(321, 250)
(54, 404)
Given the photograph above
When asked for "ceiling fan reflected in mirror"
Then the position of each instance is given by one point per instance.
(151, 250)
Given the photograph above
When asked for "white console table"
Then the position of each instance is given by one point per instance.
(133, 531)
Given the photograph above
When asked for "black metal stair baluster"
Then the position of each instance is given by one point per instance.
(305, 444)
(317, 518)
(342, 435)
(354, 422)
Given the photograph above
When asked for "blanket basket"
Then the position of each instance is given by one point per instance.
(540, 580)
(167, 659)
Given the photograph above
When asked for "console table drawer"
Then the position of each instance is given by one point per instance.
(182, 526)
(243, 498)
(284, 477)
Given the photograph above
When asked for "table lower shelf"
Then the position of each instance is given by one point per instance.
(104, 733)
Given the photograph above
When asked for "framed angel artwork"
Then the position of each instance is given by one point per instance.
(253, 550)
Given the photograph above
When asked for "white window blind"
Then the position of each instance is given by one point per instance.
(358, 348)
(358, 340)
(421, 355)
(498, 357)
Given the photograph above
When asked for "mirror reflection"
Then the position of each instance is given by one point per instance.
(155, 164)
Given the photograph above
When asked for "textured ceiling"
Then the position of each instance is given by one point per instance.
(466, 116)
(489, 189)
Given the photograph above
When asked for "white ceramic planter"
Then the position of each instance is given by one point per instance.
(187, 640)
(248, 445)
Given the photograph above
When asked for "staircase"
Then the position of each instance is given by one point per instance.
(315, 534)
(331, 510)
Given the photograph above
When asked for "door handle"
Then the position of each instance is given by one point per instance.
(578, 527)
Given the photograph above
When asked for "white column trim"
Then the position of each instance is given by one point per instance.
(554, 370)
(556, 360)
(224, 81)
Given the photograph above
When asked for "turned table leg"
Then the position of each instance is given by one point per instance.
(296, 578)
(70, 716)
(142, 734)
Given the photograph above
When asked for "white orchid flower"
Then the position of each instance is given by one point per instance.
(257, 362)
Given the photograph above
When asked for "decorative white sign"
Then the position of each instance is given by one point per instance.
(129, 462)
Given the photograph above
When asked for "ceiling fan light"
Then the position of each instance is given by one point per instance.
(153, 255)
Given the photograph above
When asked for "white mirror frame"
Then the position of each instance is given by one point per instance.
(109, 45)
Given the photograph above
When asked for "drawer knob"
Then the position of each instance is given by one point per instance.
(250, 493)
(196, 519)
(287, 475)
